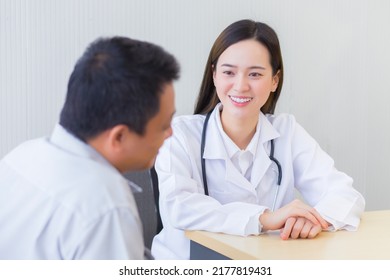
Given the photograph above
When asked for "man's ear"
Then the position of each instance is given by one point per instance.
(117, 138)
(115, 144)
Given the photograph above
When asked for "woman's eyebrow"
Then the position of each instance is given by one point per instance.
(251, 67)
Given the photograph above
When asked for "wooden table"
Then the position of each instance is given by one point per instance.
(370, 241)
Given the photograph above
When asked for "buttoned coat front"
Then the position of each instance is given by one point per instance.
(235, 203)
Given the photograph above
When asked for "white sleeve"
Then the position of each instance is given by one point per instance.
(322, 185)
(183, 203)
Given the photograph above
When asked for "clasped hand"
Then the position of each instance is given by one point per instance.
(295, 220)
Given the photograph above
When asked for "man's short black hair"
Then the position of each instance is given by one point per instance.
(117, 81)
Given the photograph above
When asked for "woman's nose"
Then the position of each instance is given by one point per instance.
(241, 84)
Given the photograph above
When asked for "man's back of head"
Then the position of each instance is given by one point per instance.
(119, 82)
(116, 81)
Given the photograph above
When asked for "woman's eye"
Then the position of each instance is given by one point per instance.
(255, 74)
(228, 73)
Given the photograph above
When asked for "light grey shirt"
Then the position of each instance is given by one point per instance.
(60, 199)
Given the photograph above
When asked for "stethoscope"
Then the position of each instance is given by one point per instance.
(271, 157)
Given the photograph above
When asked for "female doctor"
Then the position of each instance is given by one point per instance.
(253, 161)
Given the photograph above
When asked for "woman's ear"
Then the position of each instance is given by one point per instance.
(275, 81)
(213, 71)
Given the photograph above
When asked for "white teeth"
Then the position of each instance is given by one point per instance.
(240, 100)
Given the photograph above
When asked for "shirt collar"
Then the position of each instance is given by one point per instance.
(215, 149)
(231, 148)
(71, 144)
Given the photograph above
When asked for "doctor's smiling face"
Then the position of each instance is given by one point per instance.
(244, 66)
(243, 78)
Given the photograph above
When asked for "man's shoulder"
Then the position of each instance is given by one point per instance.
(80, 184)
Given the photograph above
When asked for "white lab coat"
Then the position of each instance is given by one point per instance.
(60, 199)
(235, 204)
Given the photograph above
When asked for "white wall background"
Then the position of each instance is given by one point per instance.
(336, 56)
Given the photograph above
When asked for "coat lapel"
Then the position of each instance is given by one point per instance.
(215, 149)
(262, 161)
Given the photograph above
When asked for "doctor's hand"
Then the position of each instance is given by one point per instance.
(295, 209)
(299, 228)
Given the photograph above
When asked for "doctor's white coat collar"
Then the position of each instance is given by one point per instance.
(231, 148)
(214, 147)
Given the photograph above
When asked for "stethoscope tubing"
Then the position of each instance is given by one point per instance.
(203, 163)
